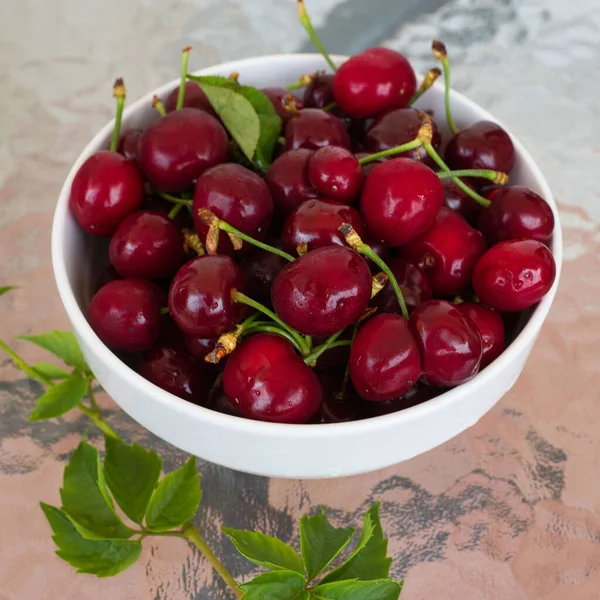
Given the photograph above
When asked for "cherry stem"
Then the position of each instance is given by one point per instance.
(312, 34)
(175, 211)
(428, 81)
(390, 152)
(119, 94)
(311, 359)
(431, 151)
(243, 299)
(273, 329)
(158, 105)
(439, 52)
(329, 107)
(497, 177)
(174, 199)
(185, 55)
(303, 81)
(98, 421)
(340, 395)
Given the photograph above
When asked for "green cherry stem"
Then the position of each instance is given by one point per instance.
(185, 55)
(439, 52)
(273, 329)
(158, 105)
(340, 395)
(311, 359)
(175, 211)
(365, 160)
(99, 422)
(496, 177)
(428, 81)
(119, 94)
(329, 107)
(174, 199)
(303, 81)
(312, 34)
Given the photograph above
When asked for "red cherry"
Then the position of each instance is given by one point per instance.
(313, 128)
(125, 314)
(200, 296)
(451, 346)
(514, 275)
(147, 245)
(323, 292)
(104, 191)
(178, 148)
(277, 96)
(236, 195)
(267, 381)
(316, 223)
(338, 410)
(447, 252)
(193, 97)
(260, 268)
(129, 144)
(376, 80)
(384, 358)
(417, 394)
(336, 173)
(491, 328)
(458, 201)
(377, 246)
(219, 401)
(400, 200)
(319, 92)
(516, 212)
(199, 347)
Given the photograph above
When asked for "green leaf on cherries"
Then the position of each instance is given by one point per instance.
(102, 558)
(85, 497)
(216, 80)
(7, 288)
(379, 589)
(321, 543)
(131, 473)
(60, 398)
(265, 550)
(176, 498)
(275, 585)
(50, 371)
(369, 561)
(62, 344)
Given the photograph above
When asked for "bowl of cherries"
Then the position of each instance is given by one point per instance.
(304, 265)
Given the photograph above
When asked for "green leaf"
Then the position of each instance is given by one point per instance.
(131, 473)
(102, 558)
(237, 114)
(275, 585)
(369, 560)
(215, 80)
(381, 589)
(176, 499)
(264, 550)
(321, 543)
(270, 124)
(86, 499)
(60, 398)
(50, 371)
(7, 288)
(62, 344)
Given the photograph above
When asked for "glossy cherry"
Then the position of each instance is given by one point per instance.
(400, 200)
(104, 191)
(236, 195)
(451, 346)
(323, 292)
(516, 212)
(193, 97)
(417, 394)
(313, 128)
(376, 80)
(336, 173)
(514, 275)
(316, 223)
(447, 252)
(491, 327)
(458, 201)
(267, 381)
(319, 92)
(147, 245)
(125, 314)
(199, 347)
(384, 359)
(334, 409)
(200, 296)
(278, 97)
(129, 144)
(179, 147)
(260, 268)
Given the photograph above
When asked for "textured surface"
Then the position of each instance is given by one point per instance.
(508, 510)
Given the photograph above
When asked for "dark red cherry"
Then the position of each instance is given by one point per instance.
(377, 246)
(514, 275)
(458, 201)
(129, 144)
(154, 202)
(333, 408)
(384, 358)
(236, 195)
(399, 127)
(516, 212)
(370, 165)
(319, 92)
(413, 283)
(219, 401)
(313, 128)
(287, 179)
(376, 80)
(322, 292)
(267, 381)
(107, 275)
(334, 357)
(447, 252)
(400, 200)
(316, 223)
(336, 173)
(125, 314)
(147, 245)
(170, 367)
(278, 97)
(260, 268)
(451, 346)
(104, 191)
(199, 347)
(491, 327)
(417, 394)
(193, 97)
(178, 148)
(484, 145)
(200, 296)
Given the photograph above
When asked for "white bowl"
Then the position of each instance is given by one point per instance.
(299, 451)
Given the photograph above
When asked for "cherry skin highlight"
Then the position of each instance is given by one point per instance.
(491, 327)
(313, 128)
(336, 173)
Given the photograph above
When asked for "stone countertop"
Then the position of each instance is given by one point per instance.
(510, 509)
